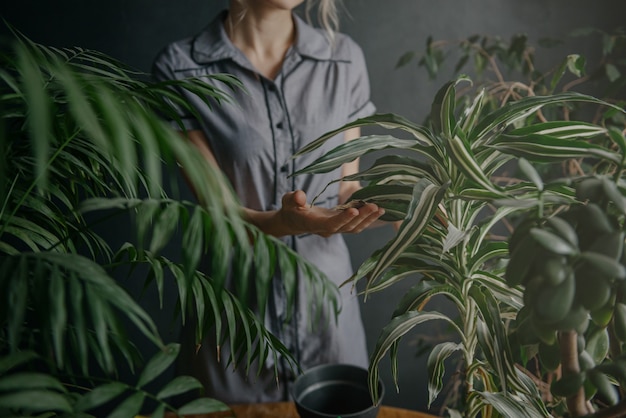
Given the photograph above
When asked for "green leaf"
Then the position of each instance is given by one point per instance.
(453, 238)
(352, 150)
(16, 359)
(202, 406)
(508, 114)
(436, 367)
(130, 407)
(159, 412)
(426, 198)
(564, 229)
(29, 380)
(39, 112)
(530, 173)
(158, 364)
(180, 384)
(58, 315)
(542, 148)
(387, 121)
(100, 395)
(164, 226)
(552, 242)
(405, 59)
(576, 64)
(597, 345)
(391, 333)
(507, 406)
(193, 235)
(612, 73)
(442, 108)
(612, 192)
(604, 264)
(461, 153)
(35, 401)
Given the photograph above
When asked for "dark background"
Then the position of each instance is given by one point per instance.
(133, 31)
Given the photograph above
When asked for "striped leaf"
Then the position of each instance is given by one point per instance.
(390, 335)
(518, 406)
(542, 148)
(561, 129)
(472, 113)
(387, 120)
(394, 168)
(442, 108)
(511, 112)
(351, 150)
(436, 367)
(465, 161)
(426, 198)
(419, 294)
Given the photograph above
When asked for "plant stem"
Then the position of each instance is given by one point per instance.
(576, 403)
(615, 411)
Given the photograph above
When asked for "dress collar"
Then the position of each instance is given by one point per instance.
(213, 44)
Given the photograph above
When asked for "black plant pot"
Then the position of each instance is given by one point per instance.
(335, 390)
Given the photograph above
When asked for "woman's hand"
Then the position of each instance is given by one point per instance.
(300, 217)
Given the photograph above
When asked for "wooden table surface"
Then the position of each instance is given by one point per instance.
(288, 410)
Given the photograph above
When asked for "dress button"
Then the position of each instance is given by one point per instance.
(284, 168)
(279, 125)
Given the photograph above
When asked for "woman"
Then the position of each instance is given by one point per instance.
(301, 82)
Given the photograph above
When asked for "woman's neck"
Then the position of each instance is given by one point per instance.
(264, 35)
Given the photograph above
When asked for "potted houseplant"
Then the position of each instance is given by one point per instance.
(81, 142)
(439, 183)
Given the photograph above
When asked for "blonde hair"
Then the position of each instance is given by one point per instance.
(327, 14)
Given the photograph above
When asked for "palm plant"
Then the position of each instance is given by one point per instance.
(440, 182)
(81, 143)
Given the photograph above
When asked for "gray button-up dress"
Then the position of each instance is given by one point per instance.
(319, 88)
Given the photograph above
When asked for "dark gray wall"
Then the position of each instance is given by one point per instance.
(134, 30)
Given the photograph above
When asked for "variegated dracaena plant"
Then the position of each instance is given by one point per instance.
(439, 182)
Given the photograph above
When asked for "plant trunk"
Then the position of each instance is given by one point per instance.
(576, 404)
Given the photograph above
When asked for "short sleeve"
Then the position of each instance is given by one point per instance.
(164, 69)
(360, 102)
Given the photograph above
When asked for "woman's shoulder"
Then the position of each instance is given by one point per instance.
(345, 47)
(176, 53)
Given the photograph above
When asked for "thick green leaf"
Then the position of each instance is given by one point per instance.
(597, 345)
(552, 242)
(530, 173)
(606, 265)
